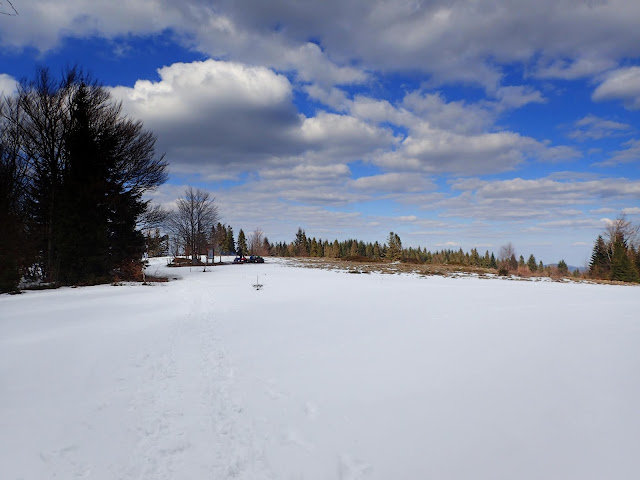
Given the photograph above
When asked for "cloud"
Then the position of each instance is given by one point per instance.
(343, 136)
(440, 151)
(393, 183)
(520, 199)
(622, 84)
(436, 151)
(517, 96)
(466, 42)
(455, 137)
(627, 155)
(592, 127)
(215, 111)
(456, 116)
(574, 68)
(8, 85)
(227, 114)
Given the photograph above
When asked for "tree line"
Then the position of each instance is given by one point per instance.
(392, 250)
(73, 169)
(616, 255)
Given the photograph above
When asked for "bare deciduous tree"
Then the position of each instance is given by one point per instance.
(190, 223)
(621, 229)
(507, 257)
(506, 252)
(256, 244)
(153, 217)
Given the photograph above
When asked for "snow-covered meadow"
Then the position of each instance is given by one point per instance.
(320, 375)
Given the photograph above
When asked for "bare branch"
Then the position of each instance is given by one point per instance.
(15, 12)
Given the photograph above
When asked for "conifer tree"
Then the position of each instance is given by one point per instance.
(600, 264)
(230, 243)
(622, 268)
(300, 243)
(513, 263)
(266, 247)
(353, 250)
(531, 263)
(313, 251)
(563, 269)
(394, 247)
(241, 245)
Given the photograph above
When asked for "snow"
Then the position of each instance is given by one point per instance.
(320, 375)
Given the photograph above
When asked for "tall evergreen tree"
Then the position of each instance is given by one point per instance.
(563, 269)
(622, 268)
(600, 264)
(531, 263)
(241, 246)
(394, 247)
(521, 262)
(300, 244)
(230, 243)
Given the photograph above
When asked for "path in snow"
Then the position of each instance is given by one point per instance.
(320, 375)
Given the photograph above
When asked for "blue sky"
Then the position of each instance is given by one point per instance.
(454, 124)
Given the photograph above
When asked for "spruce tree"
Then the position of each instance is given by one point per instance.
(622, 268)
(230, 243)
(600, 264)
(563, 269)
(394, 247)
(531, 263)
(95, 232)
(300, 244)
(241, 245)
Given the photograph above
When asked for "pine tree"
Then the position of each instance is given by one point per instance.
(563, 269)
(531, 263)
(230, 243)
(622, 268)
(266, 246)
(600, 264)
(513, 263)
(96, 224)
(492, 262)
(394, 247)
(241, 245)
(300, 243)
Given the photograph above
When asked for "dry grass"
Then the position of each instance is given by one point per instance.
(381, 266)
(364, 266)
